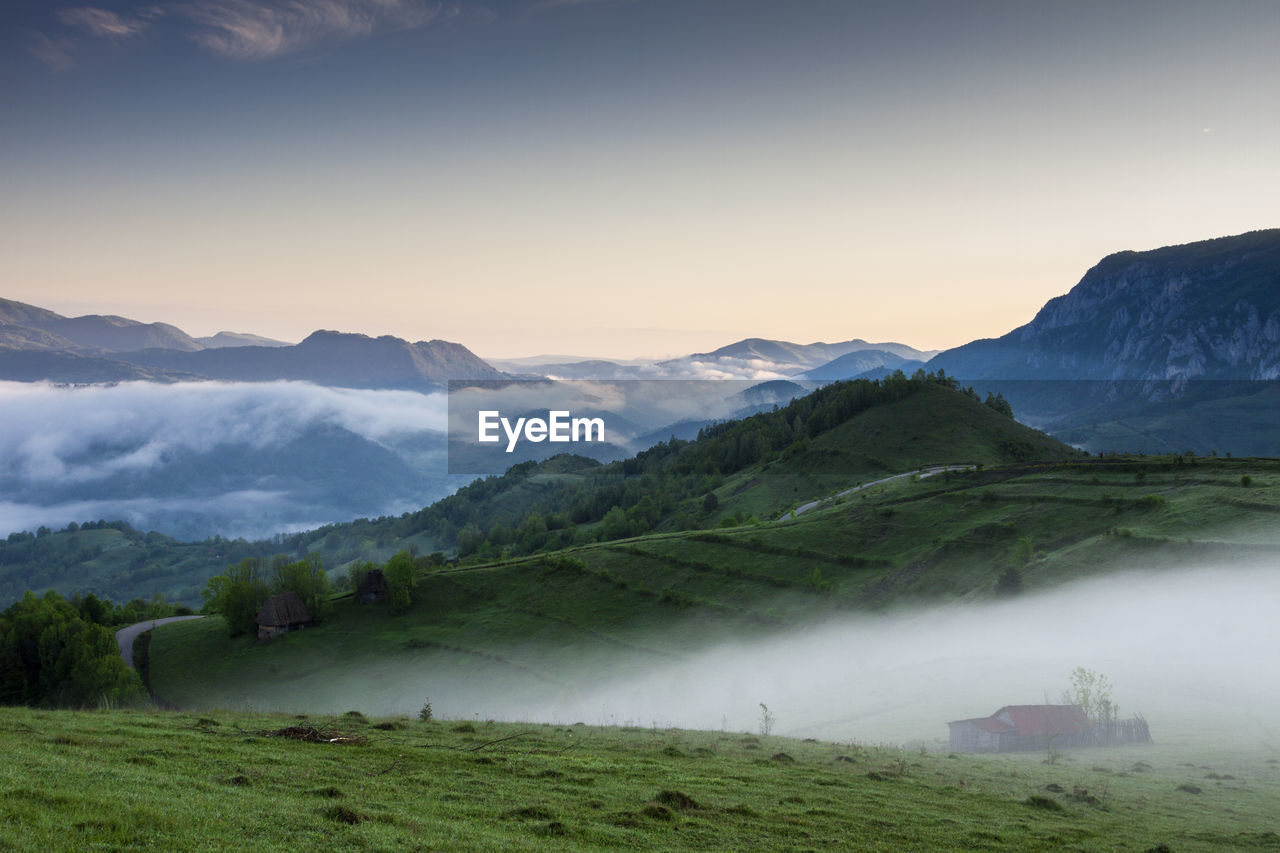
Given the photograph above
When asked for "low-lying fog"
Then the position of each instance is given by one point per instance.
(1178, 647)
(1186, 648)
(196, 458)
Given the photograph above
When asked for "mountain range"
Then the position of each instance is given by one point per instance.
(811, 355)
(750, 358)
(41, 328)
(1140, 332)
(332, 358)
(36, 343)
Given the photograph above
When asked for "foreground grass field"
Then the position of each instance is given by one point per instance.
(166, 781)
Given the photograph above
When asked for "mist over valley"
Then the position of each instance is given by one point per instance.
(1183, 647)
(198, 459)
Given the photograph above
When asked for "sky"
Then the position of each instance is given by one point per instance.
(618, 178)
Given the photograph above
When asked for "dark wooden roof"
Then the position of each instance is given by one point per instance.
(283, 610)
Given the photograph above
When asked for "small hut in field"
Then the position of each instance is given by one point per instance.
(1019, 727)
(281, 614)
(1016, 727)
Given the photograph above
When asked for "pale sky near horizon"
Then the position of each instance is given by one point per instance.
(619, 178)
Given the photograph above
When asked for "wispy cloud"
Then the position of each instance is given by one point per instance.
(561, 4)
(102, 23)
(54, 52)
(59, 51)
(250, 30)
(255, 30)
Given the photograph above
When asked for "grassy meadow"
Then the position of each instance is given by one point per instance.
(150, 780)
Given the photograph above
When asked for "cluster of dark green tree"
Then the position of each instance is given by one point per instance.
(55, 654)
(104, 612)
(239, 592)
(995, 401)
(399, 577)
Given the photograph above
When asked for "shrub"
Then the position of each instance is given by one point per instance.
(675, 597)
(767, 719)
(1009, 582)
(676, 800)
(1040, 801)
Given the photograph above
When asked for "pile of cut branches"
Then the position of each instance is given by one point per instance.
(311, 734)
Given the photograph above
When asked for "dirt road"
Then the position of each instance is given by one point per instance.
(125, 636)
(927, 472)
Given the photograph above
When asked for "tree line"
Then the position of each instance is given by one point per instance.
(239, 593)
(60, 653)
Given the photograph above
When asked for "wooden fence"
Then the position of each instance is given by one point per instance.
(1111, 733)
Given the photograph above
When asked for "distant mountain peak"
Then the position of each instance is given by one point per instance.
(239, 339)
(854, 364)
(322, 335)
(17, 313)
(1203, 310)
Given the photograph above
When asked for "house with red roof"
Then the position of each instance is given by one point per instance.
(1016, 727)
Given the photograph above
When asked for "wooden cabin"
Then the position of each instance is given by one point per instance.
(281, 614)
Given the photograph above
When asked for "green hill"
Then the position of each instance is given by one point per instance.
(113, 560)
(761, 466)
(545, 627)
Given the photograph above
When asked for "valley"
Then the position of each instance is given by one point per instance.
(557, 425)
(558, 629)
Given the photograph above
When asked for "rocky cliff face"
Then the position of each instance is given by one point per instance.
(1207, 310)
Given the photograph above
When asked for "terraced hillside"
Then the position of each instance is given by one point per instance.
(547, 627)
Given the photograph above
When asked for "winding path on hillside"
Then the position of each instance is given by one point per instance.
(921, 473)
(126, 636)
